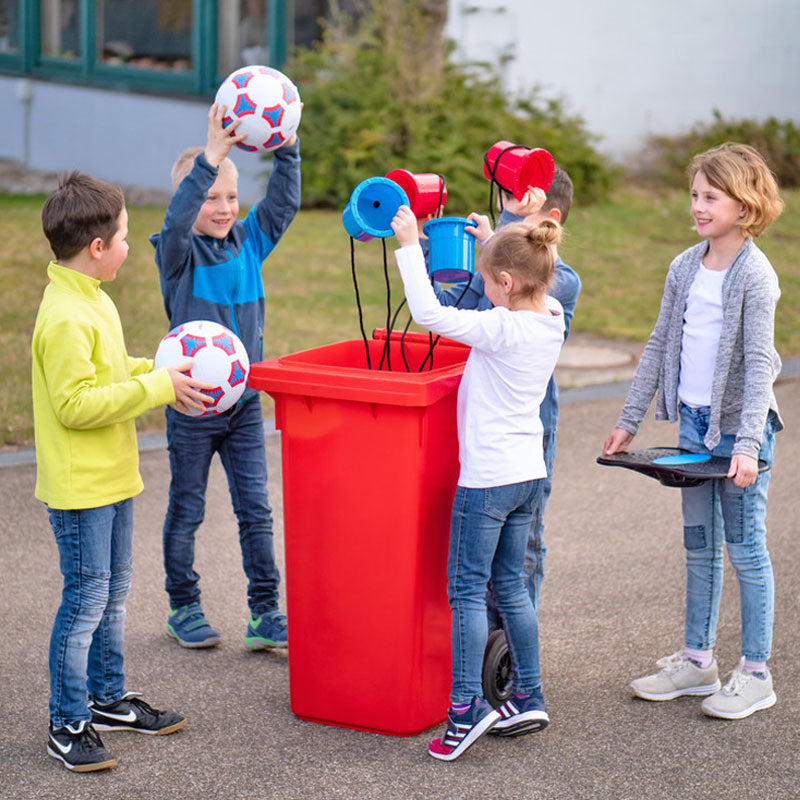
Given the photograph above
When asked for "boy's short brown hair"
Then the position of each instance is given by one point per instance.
(559, 195)
(740, 171)
(82, 209)
(185, 161)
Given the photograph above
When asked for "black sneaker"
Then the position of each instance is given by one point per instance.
(130, 713)
(78, 747)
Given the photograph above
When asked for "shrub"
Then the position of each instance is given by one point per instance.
(376, 100)
(665, 158)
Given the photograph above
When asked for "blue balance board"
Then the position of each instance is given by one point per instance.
(684, 458)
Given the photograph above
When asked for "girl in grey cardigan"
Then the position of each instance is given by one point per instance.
(711, 363)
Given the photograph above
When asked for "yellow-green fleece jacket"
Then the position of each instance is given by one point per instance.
(87, 392)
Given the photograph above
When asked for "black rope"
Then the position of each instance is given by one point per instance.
(493, 180)
(386, 355)
(391, 320)
(397, 313)
(358, 301)
(405, 330)
(433, 342)
(439, 209)
(439, 213)
(403, 340)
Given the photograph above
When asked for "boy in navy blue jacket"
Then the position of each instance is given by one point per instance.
(209, 263)
(566, 288)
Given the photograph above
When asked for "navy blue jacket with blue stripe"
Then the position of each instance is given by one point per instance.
(220, 279)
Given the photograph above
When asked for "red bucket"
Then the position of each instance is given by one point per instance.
(423, 189)
(517, 168)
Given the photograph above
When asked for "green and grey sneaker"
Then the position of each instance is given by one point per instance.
(190, 627)
(268, 630)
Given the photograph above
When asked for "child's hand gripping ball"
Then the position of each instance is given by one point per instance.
(219, 357)
(267, 103)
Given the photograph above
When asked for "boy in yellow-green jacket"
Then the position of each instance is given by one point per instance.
(87, 392)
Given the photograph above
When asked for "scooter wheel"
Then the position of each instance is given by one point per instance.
(497, 677)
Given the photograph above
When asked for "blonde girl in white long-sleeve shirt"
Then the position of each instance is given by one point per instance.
(515, 346)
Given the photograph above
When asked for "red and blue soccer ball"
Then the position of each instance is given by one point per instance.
(267, 103)
(219, 359)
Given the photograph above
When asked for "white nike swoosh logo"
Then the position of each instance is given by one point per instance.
(129, 717)
(64, 750)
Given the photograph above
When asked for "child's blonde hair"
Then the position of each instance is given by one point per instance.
(183, 165)
(740, 171)
(526, 252)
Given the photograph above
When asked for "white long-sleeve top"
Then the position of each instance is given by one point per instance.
(702, 327)
(505, 378)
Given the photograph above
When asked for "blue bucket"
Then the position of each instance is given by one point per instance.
(452, 249)
(372, 207)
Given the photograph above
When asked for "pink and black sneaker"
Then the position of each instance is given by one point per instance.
(463, 729)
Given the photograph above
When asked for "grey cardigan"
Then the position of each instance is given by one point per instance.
(747, 363)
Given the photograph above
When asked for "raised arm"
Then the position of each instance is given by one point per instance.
(476, 328)
(271, 216)
(174, 243)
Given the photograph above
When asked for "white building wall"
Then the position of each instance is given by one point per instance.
(122, 137)
(628, 67)
(632, 67)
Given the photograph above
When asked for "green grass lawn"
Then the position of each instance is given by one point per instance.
(621, 249)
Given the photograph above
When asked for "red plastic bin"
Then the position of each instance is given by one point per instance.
(370, 464)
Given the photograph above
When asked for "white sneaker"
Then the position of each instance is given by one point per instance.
(678, 676)
(742, 695)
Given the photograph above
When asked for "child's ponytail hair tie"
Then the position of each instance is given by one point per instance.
(526, 251)
(546, 234)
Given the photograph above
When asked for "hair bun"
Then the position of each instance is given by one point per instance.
(547, 232)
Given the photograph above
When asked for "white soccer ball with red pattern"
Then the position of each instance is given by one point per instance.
(267, 103)
(219, 359)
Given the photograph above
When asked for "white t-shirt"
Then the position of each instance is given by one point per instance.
(702, 325)
(505, 378)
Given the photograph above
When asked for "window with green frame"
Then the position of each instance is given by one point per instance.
(170, 46)
(9, 29)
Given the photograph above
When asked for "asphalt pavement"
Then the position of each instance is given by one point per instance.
(612, 603)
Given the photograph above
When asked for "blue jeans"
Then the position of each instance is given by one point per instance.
(718, 511)
(533, 568)
(489, 532)
(238, 436)
(95, 557)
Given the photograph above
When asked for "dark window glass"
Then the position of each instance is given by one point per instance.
(145, 33)
(303, 22)
(60, 31)
(9, 26)
(241, 34)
